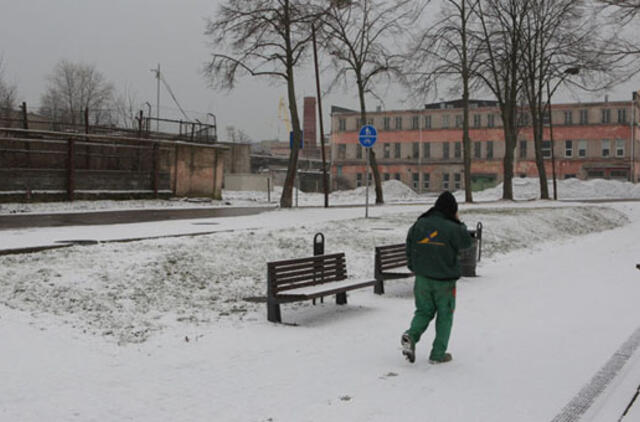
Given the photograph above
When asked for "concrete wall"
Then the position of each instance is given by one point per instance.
(64, 166)
(248, 182)
(237, 159)
(198, 171)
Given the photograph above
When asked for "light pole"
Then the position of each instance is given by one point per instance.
(567, 72)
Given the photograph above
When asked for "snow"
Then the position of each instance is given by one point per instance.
(160, 330)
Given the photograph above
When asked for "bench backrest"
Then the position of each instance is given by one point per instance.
(304, 272)
(390, 256)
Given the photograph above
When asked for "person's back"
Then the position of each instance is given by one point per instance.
(433, 245)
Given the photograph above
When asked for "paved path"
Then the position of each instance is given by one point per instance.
(20, 221)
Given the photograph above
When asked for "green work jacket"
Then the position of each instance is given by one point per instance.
(433, 245)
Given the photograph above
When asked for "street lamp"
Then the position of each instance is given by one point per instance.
(567, 72)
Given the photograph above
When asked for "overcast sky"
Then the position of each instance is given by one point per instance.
(124, 39)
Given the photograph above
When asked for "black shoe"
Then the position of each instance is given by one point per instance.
(408, 348)
(446, 358)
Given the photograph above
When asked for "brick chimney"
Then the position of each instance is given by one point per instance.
(309, 123)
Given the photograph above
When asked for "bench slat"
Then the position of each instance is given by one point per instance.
(310, 292)
(303, 261)
(309, 281)
(309, 269)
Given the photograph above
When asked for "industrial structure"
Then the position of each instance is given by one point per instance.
(423, 148)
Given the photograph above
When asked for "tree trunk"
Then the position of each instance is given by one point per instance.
(510, 136)
(372, 156)
(466, 140)
(537, 121)
(287, 189)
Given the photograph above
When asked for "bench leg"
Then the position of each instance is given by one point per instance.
(378, 288)
(273, 312)
(341, 298)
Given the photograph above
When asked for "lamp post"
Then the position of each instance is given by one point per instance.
(567, 72)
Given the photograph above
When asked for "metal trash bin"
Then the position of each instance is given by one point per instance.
(470, 256)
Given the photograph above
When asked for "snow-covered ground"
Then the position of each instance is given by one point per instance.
(159, 329)
(394, 192)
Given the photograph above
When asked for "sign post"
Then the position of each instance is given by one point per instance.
(367, 137)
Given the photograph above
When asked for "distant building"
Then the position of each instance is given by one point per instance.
(423, 148)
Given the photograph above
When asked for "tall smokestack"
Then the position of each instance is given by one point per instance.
(309, 123)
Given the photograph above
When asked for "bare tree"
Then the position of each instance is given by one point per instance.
(625, 9)
(448, 50)
(125, 107)
(8, 95)
(264, 38)
(74, 88)
(360, 36)
(237, 136)
(500, 61)
(562, 38)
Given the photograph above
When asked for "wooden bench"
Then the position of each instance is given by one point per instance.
(389, 257)
(307, 279)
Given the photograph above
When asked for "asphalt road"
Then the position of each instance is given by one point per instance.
(20, 221)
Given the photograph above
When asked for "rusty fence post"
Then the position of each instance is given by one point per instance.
(156, 170)
(71, 169)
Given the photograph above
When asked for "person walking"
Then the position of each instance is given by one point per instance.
(433, 244)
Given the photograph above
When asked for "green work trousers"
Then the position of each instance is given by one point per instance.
(433, 298)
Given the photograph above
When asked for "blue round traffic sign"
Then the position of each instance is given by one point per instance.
(368, 136)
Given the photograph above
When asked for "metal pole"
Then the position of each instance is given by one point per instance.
(325, 178)
(634, 98)
(553, 155)
(420, 181)
(298, 185)
(366, 209)
(157, 72)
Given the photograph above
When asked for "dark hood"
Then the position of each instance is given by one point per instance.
(447, 205)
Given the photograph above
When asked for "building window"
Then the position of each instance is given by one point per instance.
(546, 149)
(619, 174)
(457, 150)
(342, 125)
(457, 178)
(546, 117)
(568, 117)
(619, 147)
(606, 148)
(582, 148)
(489, 150)
(342, 151)
(339, 170)
(396, 176)
(426, 150)
(415, 122)
(477, 120)
(386, 122)
(396, 150)
(358, 180)
(458, 121)
(386, 176)
(415, 149)
(568, 149)
(358, 151)
(416, 180)
(386, 150)
(569, 176)
(606, 115)
(398, 123)
(491, 120)
(445, 121)
(584, 117)
(523, 119)
(523, 149)
(622, 115)
(359, 123)
(445, 150)
(425, 181)
(427, 122)
(445, 181)
(477, 149)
